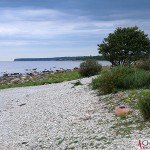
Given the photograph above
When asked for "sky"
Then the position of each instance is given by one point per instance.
(55, 28)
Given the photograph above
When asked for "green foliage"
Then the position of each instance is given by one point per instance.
(104, 83)
(138, 79)
(125, 45)
(96, 83)
(121, 77)
(144, 104)
(84, 58)
(89, 68)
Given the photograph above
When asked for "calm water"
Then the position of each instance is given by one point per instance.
(27, 66)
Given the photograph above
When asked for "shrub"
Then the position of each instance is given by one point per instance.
(112, 80)
(96, 83)
(121, 77)
(119, 74)
(107, 83)
(144, 104)
(89, 68)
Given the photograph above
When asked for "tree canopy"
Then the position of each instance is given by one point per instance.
(125, 46)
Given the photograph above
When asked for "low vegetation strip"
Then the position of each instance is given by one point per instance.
(47, 78)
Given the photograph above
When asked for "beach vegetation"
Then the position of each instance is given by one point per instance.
(89, 68)
(121, 78)
(45, 79)
(144, 104)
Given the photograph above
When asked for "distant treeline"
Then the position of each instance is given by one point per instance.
(61, 58)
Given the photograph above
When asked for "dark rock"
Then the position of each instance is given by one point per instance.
(45, 71)
(5, 75)
(30, 74)
(75, 68)
(24, 143)
(14, 74)
(22, 104)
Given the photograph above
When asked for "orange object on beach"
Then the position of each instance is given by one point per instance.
(122, 111)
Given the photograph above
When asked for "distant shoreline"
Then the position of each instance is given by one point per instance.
(76, 58)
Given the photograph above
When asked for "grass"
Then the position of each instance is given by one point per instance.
(46, 79)
(106, 68)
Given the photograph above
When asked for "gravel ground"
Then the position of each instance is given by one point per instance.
(59, 117)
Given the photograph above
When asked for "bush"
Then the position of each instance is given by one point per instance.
(107, 84)
(96, 83)
(112, 80)
(89, 68)
(144, 104)
(121, 77)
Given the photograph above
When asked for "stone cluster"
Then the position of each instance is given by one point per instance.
(16, 78)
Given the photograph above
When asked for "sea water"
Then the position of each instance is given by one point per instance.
(28, 66)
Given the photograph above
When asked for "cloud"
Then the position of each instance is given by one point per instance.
(28, 28)
(48, 23)
(13, 43)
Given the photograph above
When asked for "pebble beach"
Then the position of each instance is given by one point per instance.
(59, 116)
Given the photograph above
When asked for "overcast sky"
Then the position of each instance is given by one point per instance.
(50, 28)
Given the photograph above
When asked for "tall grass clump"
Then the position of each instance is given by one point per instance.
(144, 104)
(89, 68)
(120, 78)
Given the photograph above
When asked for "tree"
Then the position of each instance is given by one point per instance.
(125, 46)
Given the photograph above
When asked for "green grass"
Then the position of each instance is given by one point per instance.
(46, 79)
